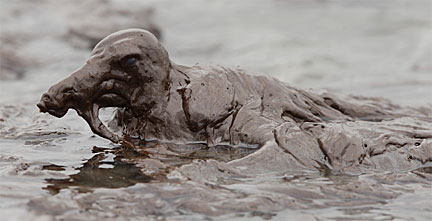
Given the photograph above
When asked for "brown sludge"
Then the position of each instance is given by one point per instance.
(293, 128)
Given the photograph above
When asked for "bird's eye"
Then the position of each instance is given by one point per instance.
(129, 62)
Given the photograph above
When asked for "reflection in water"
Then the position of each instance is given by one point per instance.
(53, 167)
(123, 172)
(92, 175)
(222, 153)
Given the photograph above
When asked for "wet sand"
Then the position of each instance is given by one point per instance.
(57, 169)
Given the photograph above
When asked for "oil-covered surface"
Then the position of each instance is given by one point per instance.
(56, 168)
(156, 99)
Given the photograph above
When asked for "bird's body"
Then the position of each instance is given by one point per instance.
(293, 128)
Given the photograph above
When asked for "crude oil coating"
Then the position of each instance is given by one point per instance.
(293, 128)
